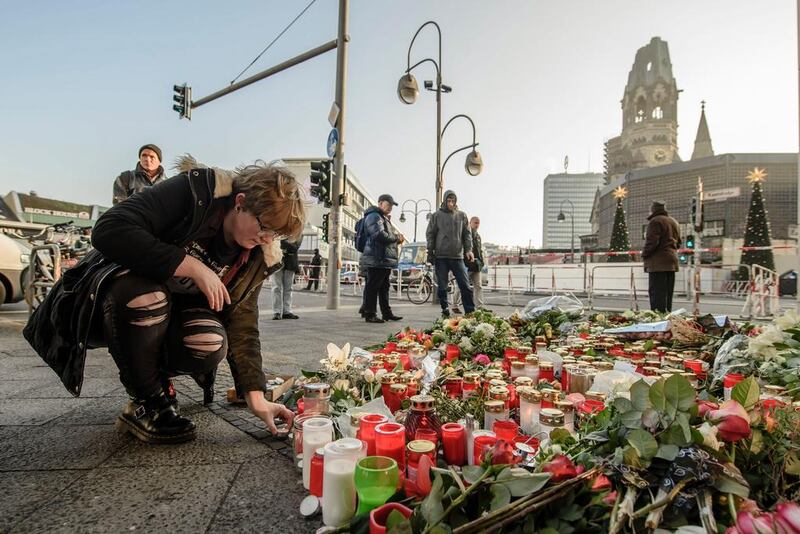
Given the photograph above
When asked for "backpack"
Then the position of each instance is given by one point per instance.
(361, 234)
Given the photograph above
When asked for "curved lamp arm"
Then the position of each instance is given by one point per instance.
(438, 65)
(456, 152)
(457, 117)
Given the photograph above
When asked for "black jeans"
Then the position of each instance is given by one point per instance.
(153, 334)
(660, 287)
(376, 289)
(313, 278)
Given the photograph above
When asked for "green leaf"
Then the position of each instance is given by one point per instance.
(394, 519)
(501, 496)
(675, 435)
(559, 435)
(632, 458)
(648, 345)
(657, 396)
(431, 507)
(650, 418)
(632, 419)
(679, 394)
(667, 452)
(547, 530)
(598, 436)
(623, 405)
(472, 473)
(522, 485)
(746, 392)
(441, 528)
(791, 464)
(572, 513)
(756, 441)
(640, 395)
(726, 484)
(683, 421)
(311, 374)
(644, 443)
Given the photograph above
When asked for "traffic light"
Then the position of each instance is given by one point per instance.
(325, 227)
(183, 97)
(690, 242)
(696, 217)
(321, 181)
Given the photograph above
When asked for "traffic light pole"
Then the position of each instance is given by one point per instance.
(698, 239)
(338, 181)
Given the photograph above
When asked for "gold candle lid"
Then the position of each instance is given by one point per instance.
(421, 446)
(551, 417)
(546, 365)
(531, 359)
(498, 392)
(529, 394)
(518, 365)
(398, 387)
(423, 403)
(523, 381)
(471, 378)
(595, 395)
(565, 406)
(316, 390)
(494, 406)
(389, 378)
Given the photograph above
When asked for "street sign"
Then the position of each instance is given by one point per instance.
(722, 194)
(333, 115)
(333, 142)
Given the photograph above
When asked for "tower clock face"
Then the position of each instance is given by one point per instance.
(660, 155)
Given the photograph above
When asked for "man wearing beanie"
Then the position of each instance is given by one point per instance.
(148, 173)
(660, 255)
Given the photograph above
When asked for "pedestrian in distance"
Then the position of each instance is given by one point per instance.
(660, 255)
(171, 288)
(314, 270)
(283, 280)
(449, 241)
(378, 259)
(475, 266)
(148, 172)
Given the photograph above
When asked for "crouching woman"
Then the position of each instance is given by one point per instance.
(172, 288)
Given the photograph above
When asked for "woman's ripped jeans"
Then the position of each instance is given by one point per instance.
(153, 334)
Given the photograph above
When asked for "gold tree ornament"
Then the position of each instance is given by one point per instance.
(620, 192)
(757, 175)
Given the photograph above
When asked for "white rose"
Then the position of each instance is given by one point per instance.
(709, 433)
(369, 376)
(341, 383)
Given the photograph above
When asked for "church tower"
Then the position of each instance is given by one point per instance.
(649, 114)
(702, 141)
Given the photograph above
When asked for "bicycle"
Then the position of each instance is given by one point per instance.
(420, 289)
(55, 249)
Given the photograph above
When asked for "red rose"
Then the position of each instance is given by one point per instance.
(732, 421)
(787, 518)
(561, 467)
(601, 483)
(704, 406)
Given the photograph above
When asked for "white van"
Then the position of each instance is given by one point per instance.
(14, 260)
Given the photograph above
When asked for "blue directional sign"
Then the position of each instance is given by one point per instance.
(333, 142)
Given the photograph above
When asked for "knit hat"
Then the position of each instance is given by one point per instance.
(659, 204)
(152, 147)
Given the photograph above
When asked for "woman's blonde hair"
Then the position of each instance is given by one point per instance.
(273, 194)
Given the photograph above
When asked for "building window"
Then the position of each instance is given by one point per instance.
(658, 113)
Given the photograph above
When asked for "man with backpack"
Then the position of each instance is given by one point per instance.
(148, 173)
(377, 241)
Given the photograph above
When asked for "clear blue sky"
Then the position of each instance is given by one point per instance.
(85, 83)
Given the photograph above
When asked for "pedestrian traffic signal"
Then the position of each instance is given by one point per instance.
(321, 181)
(690, 242)
(325, 227)
(183, 97)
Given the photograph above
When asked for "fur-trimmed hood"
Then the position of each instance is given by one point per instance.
(223, 187)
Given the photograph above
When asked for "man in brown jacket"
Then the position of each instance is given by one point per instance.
(660, 256)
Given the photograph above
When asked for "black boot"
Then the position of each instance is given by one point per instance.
(155, 420)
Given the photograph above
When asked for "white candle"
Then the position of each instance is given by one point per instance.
(338, 492)
(317, 432)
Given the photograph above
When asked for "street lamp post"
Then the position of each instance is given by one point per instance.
(416, 211)
(408, 91)
(561, 218)
(474, 162)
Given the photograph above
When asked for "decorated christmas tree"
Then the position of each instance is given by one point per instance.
(620, 241)
(757, 233)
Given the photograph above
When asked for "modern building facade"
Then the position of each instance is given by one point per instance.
(559, 191)
(31, 208)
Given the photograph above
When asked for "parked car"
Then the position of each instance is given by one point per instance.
(14, 260)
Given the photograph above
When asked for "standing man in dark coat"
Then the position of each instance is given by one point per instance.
(378, 259)
(148, 173)
(313, 272)
(660, 256)
(283, 280)
(476, 266)
(449, 242)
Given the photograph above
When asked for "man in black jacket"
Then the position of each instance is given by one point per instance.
(283, 280)
(378, 260)
(148, 173)
(475, 266)
(313, 272)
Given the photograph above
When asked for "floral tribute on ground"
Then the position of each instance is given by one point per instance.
(550, 421)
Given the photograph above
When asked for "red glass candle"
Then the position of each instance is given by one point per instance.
(546, 371)
(301, 404)
(391, 346)
(317, 463)
(366, 431)
(390, 440)
(451, 353)
(378, 516)
(506, 430)
(513, 399)
(483, 444)
(453, 386)
(405, 360)
(427, 434)
(421, 415)
(695, 366)
(397, 392)
(416, 450)
(470, 385)
(454, 443)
